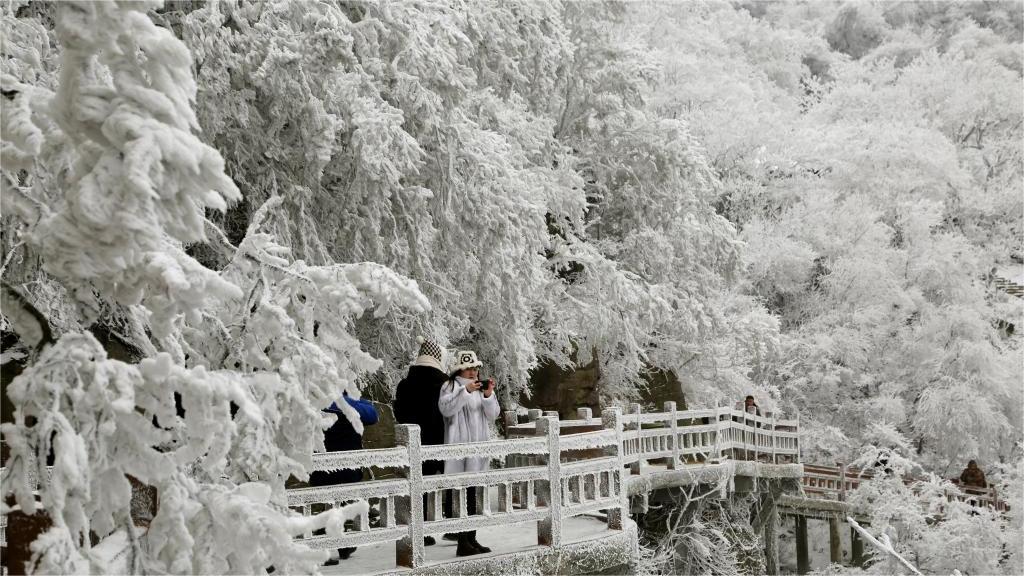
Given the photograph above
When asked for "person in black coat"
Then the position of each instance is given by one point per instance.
(416, 403)
(341, 436)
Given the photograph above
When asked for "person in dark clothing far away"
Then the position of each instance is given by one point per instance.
(748, 402)
(972, 476)
(416, 403)
(341, 436)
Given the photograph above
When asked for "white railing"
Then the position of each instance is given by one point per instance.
(549, 470)
(532, 485)
(834, 482)
(709, 435)
(547, 487)
(689, 436)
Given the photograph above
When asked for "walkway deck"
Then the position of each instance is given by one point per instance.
(514, 539)
(565, 514)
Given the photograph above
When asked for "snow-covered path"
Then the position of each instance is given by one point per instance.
(504, 540)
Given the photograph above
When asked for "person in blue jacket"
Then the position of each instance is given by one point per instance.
(339, 437)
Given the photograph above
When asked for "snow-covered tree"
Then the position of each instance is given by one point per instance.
(870, 221)
(110, 182)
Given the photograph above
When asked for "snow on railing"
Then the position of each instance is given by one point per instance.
(548, 487)
(834, 482)
(708, 435)
(532, 485)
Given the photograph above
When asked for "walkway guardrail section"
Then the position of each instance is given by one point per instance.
(691, 436)
(834, 482)
(548, 486)
(532, 485)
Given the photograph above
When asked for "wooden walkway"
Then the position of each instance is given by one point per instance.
(567, 511)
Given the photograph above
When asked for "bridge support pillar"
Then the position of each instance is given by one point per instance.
(835, 542)
(771, 543)
(857, 549)
(803, 559)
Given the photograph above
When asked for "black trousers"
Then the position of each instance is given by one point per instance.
(431, 468)
(470, 504)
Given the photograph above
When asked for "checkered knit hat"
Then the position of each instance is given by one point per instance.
(430, 354)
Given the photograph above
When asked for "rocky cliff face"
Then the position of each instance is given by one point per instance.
(554, 388)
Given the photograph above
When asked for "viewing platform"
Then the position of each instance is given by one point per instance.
(570, 514)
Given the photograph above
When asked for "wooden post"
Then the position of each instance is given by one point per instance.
(835, 542)
(670, 407)
(637, 467)
(549, 530)
(856, 549)
(511, 419)
(803, 561)
(796, 440)
(409, 550)
(771, 542)
(842, 481)
(612, 419)
(719, 449)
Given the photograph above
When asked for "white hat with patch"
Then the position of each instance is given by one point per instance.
(466, 359)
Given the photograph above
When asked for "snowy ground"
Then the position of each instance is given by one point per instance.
(502, 540)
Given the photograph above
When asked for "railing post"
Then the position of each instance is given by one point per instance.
(534, 414)
(842, 481)
(409, 550)
(723, 434)
(751, 433)
(612, 419)
(796, 439)
(637, 467)
(584, 413)
(670, 408)
(511, 419)
(549, 530)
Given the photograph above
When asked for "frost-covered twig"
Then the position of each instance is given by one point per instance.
(884, 545)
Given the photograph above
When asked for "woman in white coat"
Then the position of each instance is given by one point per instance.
(468, 407)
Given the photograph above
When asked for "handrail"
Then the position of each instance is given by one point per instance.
(487, 449)
(819, 481)
(354, 460)
(545, 477)
(534, 485)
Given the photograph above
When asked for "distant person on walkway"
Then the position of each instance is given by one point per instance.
(468, 406)
(972, 476)
(749, 402)
(339, 437)
(416, 403)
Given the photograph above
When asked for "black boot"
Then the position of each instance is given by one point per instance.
(472, 540)
(466, 547)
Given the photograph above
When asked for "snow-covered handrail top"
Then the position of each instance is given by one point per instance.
(485, 478)
(588, 440)
(344, 492)
(573, 423)
(354, 459)
(488, 449)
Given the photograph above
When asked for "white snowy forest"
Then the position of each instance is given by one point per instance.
(219, 216)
